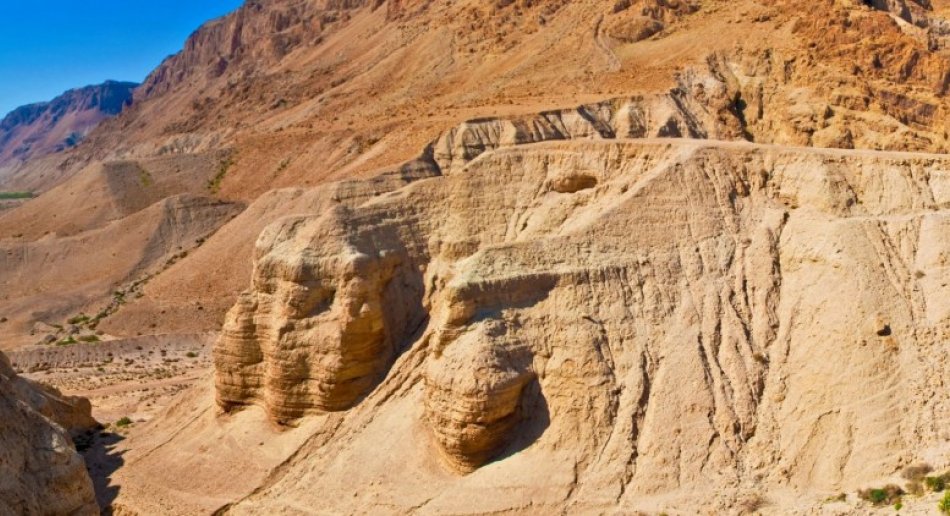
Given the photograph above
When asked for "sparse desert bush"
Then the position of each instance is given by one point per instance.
(67, 341)
(750, 503)
(621, 5)
(79, 319)
(89, 338)
(191, 354)
(144, 176)
(916, 471)
(937, 483)
(124, 422)
(944, 505)
(214, 184)
(15, 195)
(887, 495)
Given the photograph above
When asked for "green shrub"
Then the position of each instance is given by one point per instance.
(124, 422)
(937, 483)
(887, 495)
(214, 184)
(79, 319)
(898, 506)
(191, 354)
(144, 176)
(15, 195)
(67, 341)
(944, 505)
(89, 338)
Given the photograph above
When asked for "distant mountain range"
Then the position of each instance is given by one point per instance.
(43, 128)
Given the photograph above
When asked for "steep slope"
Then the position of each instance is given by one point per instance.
(36, 130)
(282, 87)
(40, 470)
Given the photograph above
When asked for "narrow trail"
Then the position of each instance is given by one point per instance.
(138, 386)
(735, 144)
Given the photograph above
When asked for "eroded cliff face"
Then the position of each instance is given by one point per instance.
(40, 470)
(655, 316)
(330, 310)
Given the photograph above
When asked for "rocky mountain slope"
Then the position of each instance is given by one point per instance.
(717, 284)
(37, 130)
(40, 470)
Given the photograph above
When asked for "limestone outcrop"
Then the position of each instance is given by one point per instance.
(474, 395)
(333, 302)
(651, 316)
(702, 105)
(40, 470)
(329, 310)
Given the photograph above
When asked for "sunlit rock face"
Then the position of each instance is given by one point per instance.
(40, 470)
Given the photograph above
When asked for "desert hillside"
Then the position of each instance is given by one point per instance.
(560, 256)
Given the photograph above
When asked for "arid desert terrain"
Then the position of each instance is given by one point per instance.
(489, 257)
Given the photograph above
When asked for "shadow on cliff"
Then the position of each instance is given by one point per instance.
(535, 419)
(102, 460)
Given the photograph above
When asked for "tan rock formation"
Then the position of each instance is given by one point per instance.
(541, 313)
(648, 311)
(334, 302)
(40, 470)
(324, 319)
(473, 395)
(701, 106)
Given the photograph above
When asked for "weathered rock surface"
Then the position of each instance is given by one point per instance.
(652, 317)
(40, 470)
(701, 106)
(330, 308)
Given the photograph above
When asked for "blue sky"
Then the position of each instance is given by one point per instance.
(50, 46)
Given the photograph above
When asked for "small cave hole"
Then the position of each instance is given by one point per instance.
(574, 183)
(885, 331)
